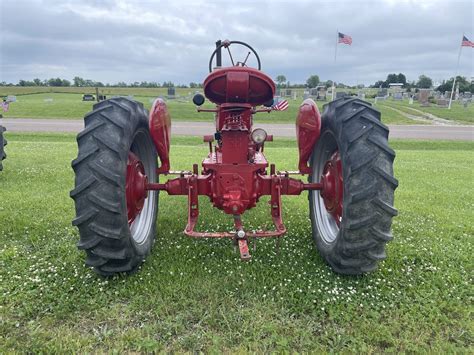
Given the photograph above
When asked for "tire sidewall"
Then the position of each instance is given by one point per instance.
(143, 248)
(330, 125)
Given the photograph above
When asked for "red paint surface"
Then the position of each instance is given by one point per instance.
(135, 186)
(308, 129)
(333, 188)
(239, 85)
(160, 130)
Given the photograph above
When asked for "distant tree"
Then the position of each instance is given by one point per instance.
(168, 84)
(464, 85)
(193, 85)
(328, 83)
(280, 79)
(65, 83)
(55, 82)
(78, 81)
(312, 81)
(37, 82)
(392, 78)
(379, 84)
(401, 78)
(424, 82)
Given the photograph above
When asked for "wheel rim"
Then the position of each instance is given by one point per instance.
(140, 202)
(328, 203)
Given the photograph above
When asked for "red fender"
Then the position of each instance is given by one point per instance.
(160, 130)
(308, 129)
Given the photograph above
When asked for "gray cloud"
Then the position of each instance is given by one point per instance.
(131, 41)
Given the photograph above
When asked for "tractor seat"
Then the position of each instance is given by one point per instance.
(242, 85)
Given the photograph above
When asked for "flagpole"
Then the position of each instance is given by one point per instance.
(335, 59)
(455, 75)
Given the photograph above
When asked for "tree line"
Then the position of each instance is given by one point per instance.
(424, 82)
(312, 82)
(81, 82)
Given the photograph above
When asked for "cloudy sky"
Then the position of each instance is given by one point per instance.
(133, 40)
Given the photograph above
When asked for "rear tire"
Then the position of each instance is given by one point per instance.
(3, 143)
(357, 244)
(113, 129)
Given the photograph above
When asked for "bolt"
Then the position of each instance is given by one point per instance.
(241, 234)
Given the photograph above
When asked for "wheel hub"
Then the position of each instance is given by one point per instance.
(135, 187)
(332, 191)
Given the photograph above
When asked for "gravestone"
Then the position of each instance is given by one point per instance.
(88, 97)
(382, 93)
(171, 92)
(321, 94)
(340, 94)
(410, 101)
(467, 96)
(49, 99)
(11, 98)
(313, 92)
(397, 96)
(423, 95)
(441, 102)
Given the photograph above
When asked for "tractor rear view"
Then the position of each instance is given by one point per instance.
(344, 152)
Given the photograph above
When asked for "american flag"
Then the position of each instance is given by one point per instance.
(466, 43)
(5, 106)
(281, 106)
(346, 39)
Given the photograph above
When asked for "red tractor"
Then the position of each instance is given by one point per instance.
(344, 152)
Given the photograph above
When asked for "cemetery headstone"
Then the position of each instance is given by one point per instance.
(397, 96)
(171, 92)
(340, 94)
(382, 92)
(423, 95)
(442, 102)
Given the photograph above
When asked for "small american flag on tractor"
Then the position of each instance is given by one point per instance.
(280, 106)
(5, 105)
(346, 39)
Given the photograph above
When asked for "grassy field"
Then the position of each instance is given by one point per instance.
(197, 296)
(69, 105)
(457, 113)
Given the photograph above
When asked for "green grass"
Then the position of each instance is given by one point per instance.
(457, 113)
(197, 296)
(69, 105)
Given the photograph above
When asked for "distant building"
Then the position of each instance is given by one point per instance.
(395, 86)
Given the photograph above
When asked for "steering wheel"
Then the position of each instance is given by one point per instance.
(226, 44)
